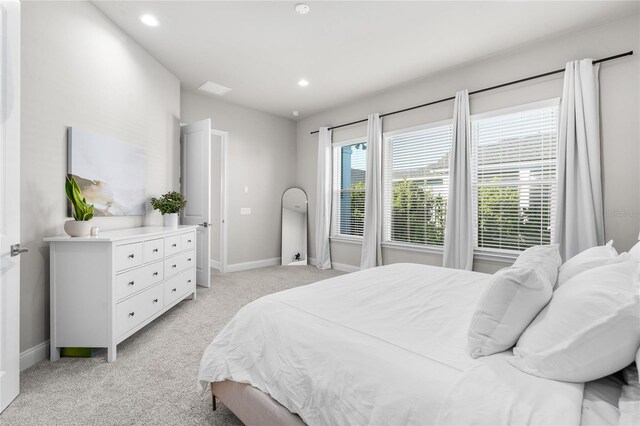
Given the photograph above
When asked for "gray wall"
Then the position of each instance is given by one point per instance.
(620, 90)
(79, 69)
(262, 155)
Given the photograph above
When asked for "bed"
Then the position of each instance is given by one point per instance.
(386, 345)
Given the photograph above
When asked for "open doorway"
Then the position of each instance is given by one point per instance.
(219, 150)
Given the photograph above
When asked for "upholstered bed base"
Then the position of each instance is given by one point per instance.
(252, 406)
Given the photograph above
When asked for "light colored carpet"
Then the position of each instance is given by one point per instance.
(154, 379)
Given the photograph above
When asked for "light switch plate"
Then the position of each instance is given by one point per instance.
(245, 210)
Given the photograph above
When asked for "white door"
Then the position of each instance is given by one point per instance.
(195, 185)
(9, 201)
(219, 149)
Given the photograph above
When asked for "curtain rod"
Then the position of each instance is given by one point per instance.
(522, 80)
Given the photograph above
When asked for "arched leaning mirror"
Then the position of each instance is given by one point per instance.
(294, 227)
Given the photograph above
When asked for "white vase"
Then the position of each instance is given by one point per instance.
(78, 228)
(170, 220)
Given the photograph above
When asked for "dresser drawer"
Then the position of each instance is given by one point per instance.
(133, 311)
(137, 279)
(128, 256)
(153, 250)
(179, 263)
(172, 245)
(188, 241)
(179, 286)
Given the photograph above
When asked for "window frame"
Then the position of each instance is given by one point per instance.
(335, 235)
(496, 254)
(479, 253)
(387, 188)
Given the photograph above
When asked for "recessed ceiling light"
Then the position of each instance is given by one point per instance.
(302, 8)
(215, 88)
(303, 83)
(295, 113)
(149, 20)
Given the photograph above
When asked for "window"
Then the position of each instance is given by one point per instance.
(416, 184)
(514, 176)
(349, 171)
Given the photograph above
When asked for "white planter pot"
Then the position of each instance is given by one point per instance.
(78, 228)
(170, 220)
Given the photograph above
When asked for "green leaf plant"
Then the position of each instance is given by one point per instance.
(82, 210)
(171, 202)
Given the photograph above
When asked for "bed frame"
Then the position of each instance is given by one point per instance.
(251, 405)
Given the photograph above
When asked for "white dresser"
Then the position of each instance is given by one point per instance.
(103, 289)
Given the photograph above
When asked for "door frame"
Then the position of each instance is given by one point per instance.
(224, 150)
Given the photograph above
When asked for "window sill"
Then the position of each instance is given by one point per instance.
(346, 240)
(502, 256)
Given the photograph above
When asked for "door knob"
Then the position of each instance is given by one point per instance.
(204, 224)
(16, 249)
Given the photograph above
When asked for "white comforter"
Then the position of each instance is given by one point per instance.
(381, 346)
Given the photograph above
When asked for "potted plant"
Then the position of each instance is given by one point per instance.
(170, 204)
(80, 226)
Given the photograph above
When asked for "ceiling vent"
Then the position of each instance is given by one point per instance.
(216, 89)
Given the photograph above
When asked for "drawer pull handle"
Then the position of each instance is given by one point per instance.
(155, 273)
(188, 281)
(173, 266)
(173, 290)
(131, 314)
(155, 250)
(174, 245)
(188, 241)
(189, 260)
(131, 256)
(132, 282)
(155, 300)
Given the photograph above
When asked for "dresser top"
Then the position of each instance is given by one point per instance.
(124, 234)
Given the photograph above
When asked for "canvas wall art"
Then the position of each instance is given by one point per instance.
(111, 174)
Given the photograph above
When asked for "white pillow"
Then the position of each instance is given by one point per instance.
(591, 327)
(588, 259)
(635, 252)
(546, 259)
(512, 299)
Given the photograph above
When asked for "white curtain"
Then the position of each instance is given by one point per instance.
(372, 237)
(579, 221)
(323, 200)
(458, 235)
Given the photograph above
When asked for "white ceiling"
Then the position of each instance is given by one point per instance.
(345, 49)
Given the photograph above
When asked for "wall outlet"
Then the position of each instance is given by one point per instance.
(246, 189)
(245, 210)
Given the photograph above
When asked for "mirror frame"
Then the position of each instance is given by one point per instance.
(304, 261)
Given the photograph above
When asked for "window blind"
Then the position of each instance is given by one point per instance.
(514, 178)
(416, 185)
(349, 171)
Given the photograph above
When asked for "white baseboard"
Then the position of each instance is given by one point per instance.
(343, 267)
(236, 267)
(34, 355)
(214, 264)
